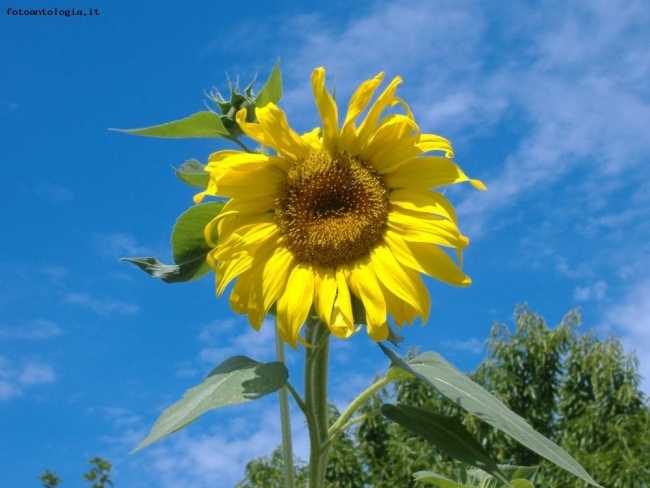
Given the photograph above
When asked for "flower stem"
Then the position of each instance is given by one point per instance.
(342, 423)
(287, 448)
(316, 365)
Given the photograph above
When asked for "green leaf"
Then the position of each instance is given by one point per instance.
(189, 248)
(193, 173)
(434, 370)
(447, 433)
(188, 239)
(201, 124)
(435, 479)
(271, 92)
(237, 380)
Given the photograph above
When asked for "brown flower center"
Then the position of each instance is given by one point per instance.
(332, 209)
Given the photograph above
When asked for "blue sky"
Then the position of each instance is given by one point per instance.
(547, 103)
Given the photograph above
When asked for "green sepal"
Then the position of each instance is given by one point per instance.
(193, 173)
(435, 371)
(201, 124)
(518, 476)
(189, 248)
(171, 273)
(271, 92)
(437, 480)
(447, 433)
(237, 380)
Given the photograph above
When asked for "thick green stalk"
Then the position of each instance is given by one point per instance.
(316, 365)
(287, 448)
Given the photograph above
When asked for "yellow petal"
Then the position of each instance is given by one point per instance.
(278, 134)
(229, 270)
(327, 109)
(363, 282)
(396, 134)
(358, 104)
(369, 124)
(401, 311)
(418, 227)
(294, 304)
(239, 296)
(427, 258)
(428, 172)
(423, 201)
(313, 138)
(325, 282)
(263, 181)
(275, 274)
(395, 277)
(342, 321)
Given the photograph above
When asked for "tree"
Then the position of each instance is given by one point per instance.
(581, 392)
(99, 475)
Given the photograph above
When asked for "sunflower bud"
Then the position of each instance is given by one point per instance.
(271, 93)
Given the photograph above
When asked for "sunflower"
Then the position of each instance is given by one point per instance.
(335, 215)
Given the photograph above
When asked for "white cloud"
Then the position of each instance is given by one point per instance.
(100, 307)
(473, 345)
(227, 338)
(54, 193)
(596, 291)
(34, 330)
(203, 457)
(16, 378)
(118, 245)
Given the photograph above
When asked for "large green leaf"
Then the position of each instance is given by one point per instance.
(236, 380)
(188, 238)
(447, 433)
(434, 370)
(201, 124)
(189, 248)
(271, 92)
(193, 173)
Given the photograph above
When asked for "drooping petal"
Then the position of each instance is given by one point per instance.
(363, 282)
(395, 277)
(275, 274)
(427, 258)
(327, 110)
(294, 304)
(342, 321)
(325, 283)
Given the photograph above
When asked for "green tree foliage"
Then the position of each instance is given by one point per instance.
(98, 475)
(581, 392)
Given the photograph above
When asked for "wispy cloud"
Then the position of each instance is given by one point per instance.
(118, 245)
(473, 346)
(16, 378)
(33, 330)
(54, 193)
(200, 456)
(100, 306)
(595, 291)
